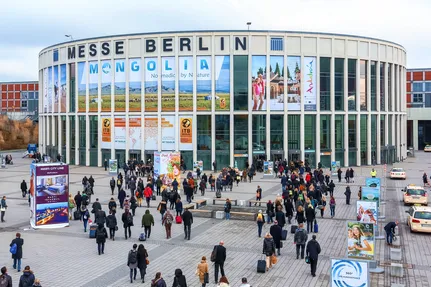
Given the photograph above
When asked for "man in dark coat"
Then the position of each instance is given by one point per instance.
(112, 185)
(95, 208)
(275, 232)
(280, 217)
(100, 217)
(18, 254)
(348, 193)
(24, 188)
(105, 164)
(175, 185)
(188, 221)
(390, 231)
(219, 259)
(313, 251)
(331, 187)
(121, 197)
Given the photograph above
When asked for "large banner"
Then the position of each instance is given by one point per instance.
(50, 201)
(349, 273)
(372, 182)
(135, 136)
(151, 84)
(203, 83)
(93, 86)
(371, 194)
(222, 83)
(168, 84)
(276, 78)
(186, 133)
(56, 89)
(63, 89)
(185, 83)
(360, 240)
(167, 166)
(120, 133)
(366, 211)
(45, 91)
(50, 86)
(151, 139)
(309, 84)
(106, 85)
(294, 83)
(106, 133)
(82, 85)
(168, 133)
(120, 85)
(258, 80)
(135, 85)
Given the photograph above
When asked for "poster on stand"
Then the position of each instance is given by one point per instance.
(51, 193)
(167, 167)
(360, 240)
(349, 273)
(366, 211)
(335, 165)
(371, 194)
(309, 84)
(198, 164)
(268, 167)
(113, 166)
(372, 182)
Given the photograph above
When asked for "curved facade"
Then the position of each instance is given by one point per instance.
(228, 96)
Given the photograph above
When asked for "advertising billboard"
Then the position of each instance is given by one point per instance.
(373, 182)
(113, 166)
(371, 194)
(258, 80)
(120, 85)
(366, 211)
(45, 91)
(198, 164)
(276, 78)
(335, 165)
(168, 84)
(56, 90)
(50, 202)
(106, 85)
(349, 273)
(151, 139)
(63, 88)
(151, 84)
(309, 84)
(186, 133)
(135, 87)
(168, 133)
(203, 83)
(106, 133)
(135, 133)
(168, 167)
(268, 167)
(360, 240)
(120, 133)
(294, 83)
(93, 86)
(82, 85)
(50, 86)
(185, 83)
(222, 83)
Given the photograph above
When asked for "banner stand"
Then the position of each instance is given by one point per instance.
(374, 268)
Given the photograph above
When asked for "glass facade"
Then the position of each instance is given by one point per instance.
(389, 87)
(259, 136)
(352, 140)
(204, 140)
(339, 84)
(325, 84)
(364, 146)
(240, 139)
(277, 132)
(373, 78)
(382, 86)
(373, 139)
(325, 140)
(72, 130)
(351, 84)
(240, 83)
(63, 139)
(363, 84)
(382, 130)
(310, 139)
(72, 88)
(294, 132)
(339, 139)
(82, 140)
(94, 135)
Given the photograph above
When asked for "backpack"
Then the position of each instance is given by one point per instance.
(4, 281)
(118, 182)
(214, 254)
(13, 249)
(133, 257)
(129, 219)
(168, 220)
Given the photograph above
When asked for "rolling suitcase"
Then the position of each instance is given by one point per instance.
(316, 227)
(76, 215)
(142, 236)
(261, 266)
(92, 233)
(283, 234)
(293, 228)
(178, 219)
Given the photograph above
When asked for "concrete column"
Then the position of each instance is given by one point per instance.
(127, 135)
(415, 134)
(195, 136)
(399, 144)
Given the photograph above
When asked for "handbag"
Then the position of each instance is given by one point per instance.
(307, 259)
(274, 259)
(206, 277)
(281, 244)
(116, 227)
(147, 261)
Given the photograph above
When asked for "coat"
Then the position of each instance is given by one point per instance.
(202, 269)
(100, 217)
(111, 221)
(300, 217)
(147, 219)
(23, 186)
(124, 219)
(268, 246)
(279, 216)
(26, 279)
(220, 254)
(179, 279)
(275, 232)
(313, 249)
(142, 259)
(19, 243)
(187, 217)
(310, 214)
(121, 195)
(103, 235)
(300, 236)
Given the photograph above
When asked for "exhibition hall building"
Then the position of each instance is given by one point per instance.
(227, 96)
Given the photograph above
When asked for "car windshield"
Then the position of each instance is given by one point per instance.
(422, 215)
(397, 170)
(416, 192)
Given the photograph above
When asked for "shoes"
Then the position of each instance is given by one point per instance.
(314, 275)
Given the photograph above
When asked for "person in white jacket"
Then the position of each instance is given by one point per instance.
(244, 283)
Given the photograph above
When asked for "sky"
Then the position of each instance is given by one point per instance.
(27, 26)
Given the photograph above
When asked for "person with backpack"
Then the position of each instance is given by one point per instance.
(5, 279)
(112, 205)
(142, 261)
(162, 208)
(16, 250)
(132, 262)
(179, 279)
(187, 221)
(119, 183)
(100, 217)
(85, 216)
(173, 196)
(147, 221)
(111, 223)
(299, 239)
(101, 236)
(178, 207)
(127, 219)
(167, 222)
(348, 193)
(260, 220)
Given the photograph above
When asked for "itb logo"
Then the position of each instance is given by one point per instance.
(106, 68)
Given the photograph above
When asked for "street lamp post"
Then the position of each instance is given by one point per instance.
(69, 36)
(248, 26)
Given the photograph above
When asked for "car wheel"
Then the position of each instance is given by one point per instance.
(411, 230)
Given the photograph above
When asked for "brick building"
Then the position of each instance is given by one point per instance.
(19, 97)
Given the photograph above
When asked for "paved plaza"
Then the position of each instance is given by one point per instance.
(67, 257)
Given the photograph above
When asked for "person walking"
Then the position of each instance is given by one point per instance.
(147, 221)
(202, 271)
(352, 175)
(215, 166)
(360, 193)
(299, 239)
(78, 200)
(331, 187)
(268, 250)
(27, 278)
(288, 205)
(258, 194)
(167, 222)
(23, 188)
(270, 211)
(142, 261)
(260, 220)
(178, 207)
(244, 282)
(95, 208)
(85, 216)
(158, 281)
(322, 205)
(347, 175)
(313, 251)
(158, 185)
(133, 205)
(3, 207)
(310, 215)
(111, 223)
(332, 205)
(280, 216)
(127, 219)
(112, 205)
(17, 256)
(112, 185)
(339, 172)
(227, 208)
(187, 217)
(300, 216)
(348, 193)
(179, 279)
(119, 183)
(5, 279)
(390, 231)
(105, 164)
(100, 217)
(148, 193)
(275, 232)
(219, 258)
(101, 236)
(132, 262)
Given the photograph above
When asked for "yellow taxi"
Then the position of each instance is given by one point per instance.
(397, 172)
(414, 194)
(419, 219)
(427, 148)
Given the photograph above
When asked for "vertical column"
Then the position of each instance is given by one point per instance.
(127, 76)
(392, 95)
(399, 144)
(368, 79)
(386, 129)
(100, 160)
(126, 118)
(232, 141)
(286, 131)
(268, 133)
(332, 106)
(77, 159)
(67, 140)
(60, 136)
(87, 140)
(393, 131)
(250, 138)
(415, 134)
(213, 141)
(378, 139)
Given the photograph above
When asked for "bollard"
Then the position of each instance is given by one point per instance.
(395, 254)
(219, 214)
(397, 270)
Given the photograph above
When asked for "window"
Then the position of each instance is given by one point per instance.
(325, 131)
(389, 87)
(428, 87)
(418, 98)
(325, 84)
(373, 85)
(24, 95)
(222, 140)
(339, 84)
(339, 138)
(277, 133)
(382, 86)
(30, 95)
(240, 83)
(363, 84)
(293, 131)
(55, 55)
(241, 132)
(276, 44)
(418, 87)
(72, 99)
(351, 83)
(23, 104)
(259, 134)
(36, 95)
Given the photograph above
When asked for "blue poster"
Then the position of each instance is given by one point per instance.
(349, 273)
(222, 83)
(372, 182)
(371, 194)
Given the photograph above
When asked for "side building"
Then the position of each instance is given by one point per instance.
(20, 99)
